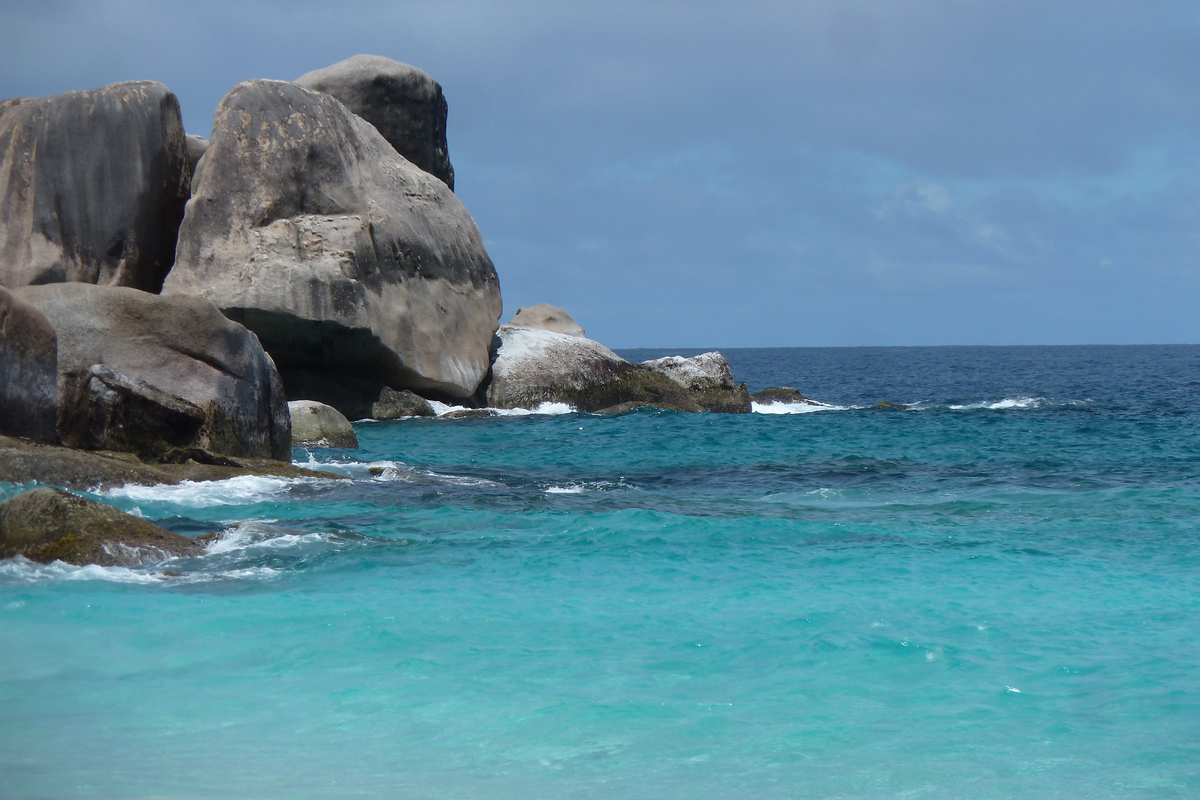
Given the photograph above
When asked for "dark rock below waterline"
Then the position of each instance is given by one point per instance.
(46, 524)
(28, 371)
(23, 461)
(92, 186)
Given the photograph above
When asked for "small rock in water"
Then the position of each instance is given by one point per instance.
(396, 405)
(318, 425)
(46, 525)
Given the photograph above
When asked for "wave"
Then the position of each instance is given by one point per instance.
(22, 570)
(1020, 403)
(545, 409)
(796, 408)
(242, 490)
(582, 487)
(386, 470)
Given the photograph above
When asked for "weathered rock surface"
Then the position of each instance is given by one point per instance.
(344, 258)
(318, 425)
(405, 104)
(396, 405)
(782, 394)
(47, 525)
(196, 145)
(534, 366)
(92, 186)
(170, 363)
(23, 461)
(28, 371)
(547, 318)
(708, 378)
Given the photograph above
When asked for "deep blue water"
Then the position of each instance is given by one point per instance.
(990, 595)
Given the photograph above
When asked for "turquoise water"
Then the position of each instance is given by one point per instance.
(991, 595)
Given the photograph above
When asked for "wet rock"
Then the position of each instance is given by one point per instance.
(708, 378)
(547, 318)
(28, 371)
(397, 405)
(468, 413)
(23, 461)
(164, 355)
(900, 406)
(46, 525)
(405, 104)
(318, 425)
(345, 259)
(92, 186)
(536, 366)
(782, 394)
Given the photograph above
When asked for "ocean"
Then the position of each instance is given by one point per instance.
(990, 594)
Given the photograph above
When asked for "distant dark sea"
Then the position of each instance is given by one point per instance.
(992, 594)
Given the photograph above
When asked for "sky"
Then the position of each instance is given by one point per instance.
(758, 173)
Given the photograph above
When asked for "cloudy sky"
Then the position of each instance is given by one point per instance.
(813, 172)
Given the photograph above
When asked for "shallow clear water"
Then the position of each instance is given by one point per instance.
(992, 595)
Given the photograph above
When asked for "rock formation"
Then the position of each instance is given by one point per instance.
(547, 318)
(92, 186)
(708, 378)
(318, 425)
(47, 525)
(350, 264)
(28, 371)
(404, 104)
(172, 371)
(396, 405)
(535, 366)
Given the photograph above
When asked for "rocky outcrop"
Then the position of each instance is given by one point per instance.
(92, 186)
(535, 366)
(708, 379)
(46, 525)
(196, 145)
(24, 461)
(28, 371)
(346, 260)
(145, 373)
(397, 405)
(318, 425)
(785, 395)
(404, 104)
(547, 318)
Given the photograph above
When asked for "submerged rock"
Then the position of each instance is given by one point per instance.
(547, 318)
(708, 378)
(396, 405)
(47, 525)
(346, 260)
(28, 371)
(175, 372)
(405, 104)
(92, 186)
(535, 366)
(318, 425)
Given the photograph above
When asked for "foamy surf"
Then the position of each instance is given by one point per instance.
(1007, 403)
(242, 490)
(22, 570)
(795, 408)
(395, 471)
(545, 409)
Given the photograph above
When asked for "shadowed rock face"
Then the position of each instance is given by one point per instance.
(175, 372)
(28, 371)
(92, 186)
(344, 258)
(404, 104)
(47, 525)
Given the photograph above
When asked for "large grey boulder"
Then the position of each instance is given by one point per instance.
(28, 371)
(346, 260)
(709, 380)
(404, 104)
(173, 371)
(535, 366)
(398, 405)
(548, 318)
(92, 186)
(46, 525)
(318, 425)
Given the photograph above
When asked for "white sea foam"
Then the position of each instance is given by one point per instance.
(257, 534)
(242, 490)
(794, 408)
(575, 489)
(580, 487)
(547, 409)
(23, 570)
(1000, 405)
